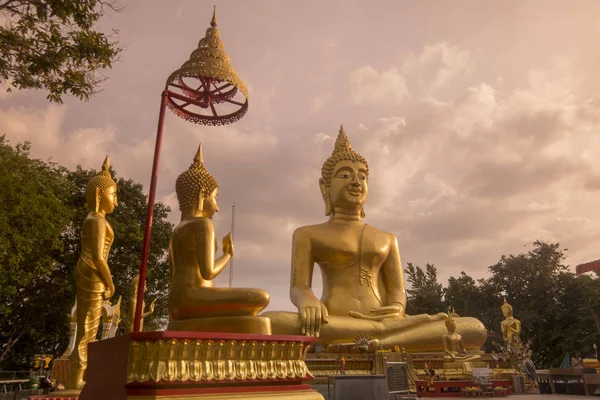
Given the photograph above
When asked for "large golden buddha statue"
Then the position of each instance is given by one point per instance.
(194, 303)
(363, 286)
(93, 280)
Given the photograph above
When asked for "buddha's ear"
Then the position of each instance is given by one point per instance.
(97, 202)
(200, 206)
(362, 212)
(326, 199)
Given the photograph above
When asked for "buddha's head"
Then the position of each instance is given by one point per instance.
(344, 178)
(101, 191)
(197, 190)
(507, 309)
(450, 325)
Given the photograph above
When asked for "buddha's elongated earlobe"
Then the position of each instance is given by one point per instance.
(326, 198)
(328, 206)
(200, 206)
(97, 205)
(362, 212)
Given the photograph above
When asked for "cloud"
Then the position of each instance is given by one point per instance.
(437, 64)
(464, 167)
(489, 169)
(320, 101)
(367, 85)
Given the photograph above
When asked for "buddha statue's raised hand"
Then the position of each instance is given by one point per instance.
(228, 244)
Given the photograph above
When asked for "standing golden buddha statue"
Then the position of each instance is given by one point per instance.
(363, 285)
(93, 281)
(194, 303)
(511, 327)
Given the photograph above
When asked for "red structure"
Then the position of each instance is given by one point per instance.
(205, 90)
(587, 267)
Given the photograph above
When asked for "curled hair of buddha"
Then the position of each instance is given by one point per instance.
(342, 151)
(193, 182)
(506, 306)
(98, 183)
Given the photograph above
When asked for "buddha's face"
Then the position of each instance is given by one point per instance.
(506, 312)
(108, 200)
(348, 188)
(451, 326)
(210, 206)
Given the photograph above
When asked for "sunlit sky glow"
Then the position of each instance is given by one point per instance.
(480, 121)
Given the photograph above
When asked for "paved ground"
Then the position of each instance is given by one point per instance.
(527, 397)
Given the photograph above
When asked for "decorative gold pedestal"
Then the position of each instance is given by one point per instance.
(198, 365)
(250, 325)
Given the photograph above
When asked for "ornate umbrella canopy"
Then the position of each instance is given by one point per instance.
(206, 89)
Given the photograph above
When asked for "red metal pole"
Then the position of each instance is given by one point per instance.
(150, 213)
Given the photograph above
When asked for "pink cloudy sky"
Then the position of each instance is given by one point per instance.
(480, 120)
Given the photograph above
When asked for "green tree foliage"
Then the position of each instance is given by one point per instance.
(555, 307)
(472, 298)
(53, 45)
(42, 207)
(540, 288)
(34, 291)
(425, 295)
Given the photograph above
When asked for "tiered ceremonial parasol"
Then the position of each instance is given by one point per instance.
(206, 90)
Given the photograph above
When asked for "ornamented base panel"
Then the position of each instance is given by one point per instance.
(192, 359)
(169, 365)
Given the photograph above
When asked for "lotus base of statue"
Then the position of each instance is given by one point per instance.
(198, 365)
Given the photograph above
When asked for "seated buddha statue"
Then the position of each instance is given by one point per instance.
(194, 303)
(93, 280)
(363, 285)
(511, 327)
(457, 363)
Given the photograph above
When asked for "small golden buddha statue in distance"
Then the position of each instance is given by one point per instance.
(454, 346)
(132, 304)
(511, 327)
(457, 363)
(194, 303)
(93, 280)
(363, 285)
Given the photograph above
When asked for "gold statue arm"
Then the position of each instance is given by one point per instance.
(205, 239)
(311, 310)
(394, 282)
(504, 328)
(150, 309)
(98, 226)
(447, 348)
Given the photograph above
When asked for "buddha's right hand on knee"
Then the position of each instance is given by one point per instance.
(312, 312)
